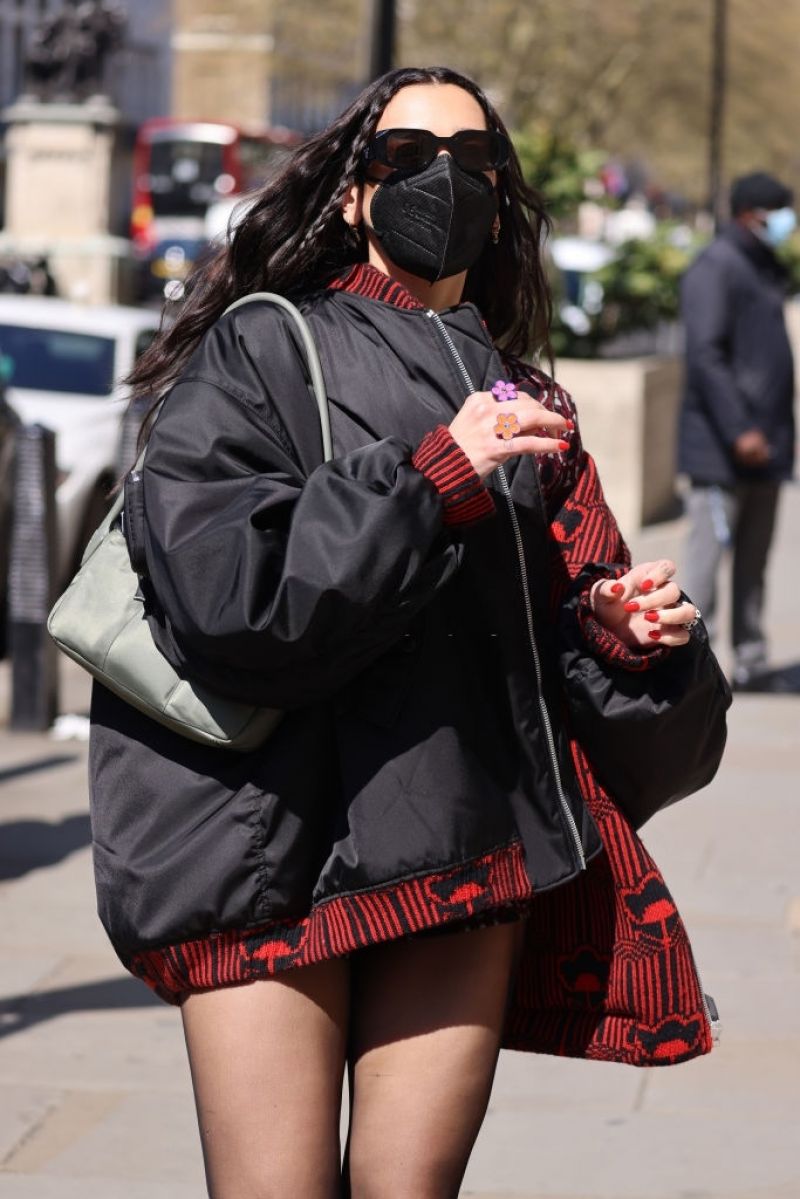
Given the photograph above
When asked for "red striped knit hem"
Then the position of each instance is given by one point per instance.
(607, 645)
(492, 885)
(609, 1037)
(443, 462)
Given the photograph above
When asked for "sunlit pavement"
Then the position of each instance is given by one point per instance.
(95, 1101)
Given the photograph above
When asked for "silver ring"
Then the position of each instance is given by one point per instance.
(698, 616)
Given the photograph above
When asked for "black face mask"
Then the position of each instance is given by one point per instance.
(434, 223)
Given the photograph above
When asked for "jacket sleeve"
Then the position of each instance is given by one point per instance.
(274, 588)
(707, 307)
(587, 545)
(584, 537)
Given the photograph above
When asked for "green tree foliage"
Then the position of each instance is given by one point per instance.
(640, 287)
(321, 51)
(789, 254)
(632, 76)
(556, 168)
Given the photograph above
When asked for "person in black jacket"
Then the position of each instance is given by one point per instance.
(419, 863)
(737, 433)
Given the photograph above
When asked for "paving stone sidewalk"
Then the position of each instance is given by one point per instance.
(95, 1101)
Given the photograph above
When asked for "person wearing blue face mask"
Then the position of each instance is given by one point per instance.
(737, 437)
(776, 225)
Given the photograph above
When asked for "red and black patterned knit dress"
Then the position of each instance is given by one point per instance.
(400, 794)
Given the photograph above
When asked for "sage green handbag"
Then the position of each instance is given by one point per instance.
(100, 623)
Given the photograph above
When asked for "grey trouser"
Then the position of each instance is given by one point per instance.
(741, 519)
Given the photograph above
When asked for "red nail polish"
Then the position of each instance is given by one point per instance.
(631, 606)
(563, 445)
(654, 634)
(647, 584)
(570, 424)
(652, 617)
(617, 589)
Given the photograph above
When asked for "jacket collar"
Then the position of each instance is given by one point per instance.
(761, 255)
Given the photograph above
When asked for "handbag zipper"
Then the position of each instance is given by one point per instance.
(537, 664)
(714, 1022)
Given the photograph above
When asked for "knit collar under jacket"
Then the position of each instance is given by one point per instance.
(363, 279)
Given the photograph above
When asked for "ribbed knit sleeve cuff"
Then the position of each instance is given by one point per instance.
(443, 462)
(606, 645)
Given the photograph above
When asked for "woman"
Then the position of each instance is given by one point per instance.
(399, 604)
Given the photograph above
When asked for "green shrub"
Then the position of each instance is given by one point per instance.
(640, 289)
(556, 168)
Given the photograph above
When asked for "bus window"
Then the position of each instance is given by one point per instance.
(183, 169)
(184, 177)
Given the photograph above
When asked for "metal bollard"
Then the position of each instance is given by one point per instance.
(32, 581)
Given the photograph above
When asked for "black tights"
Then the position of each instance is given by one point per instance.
(417, 1025)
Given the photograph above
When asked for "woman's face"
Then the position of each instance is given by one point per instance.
(443, 108)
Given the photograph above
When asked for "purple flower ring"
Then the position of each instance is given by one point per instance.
(504, 391)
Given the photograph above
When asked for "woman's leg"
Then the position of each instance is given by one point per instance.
(426, 1018)
(267, 1061)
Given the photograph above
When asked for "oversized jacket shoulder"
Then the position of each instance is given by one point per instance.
(266, 572)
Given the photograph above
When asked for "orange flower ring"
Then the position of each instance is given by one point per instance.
(507, 426)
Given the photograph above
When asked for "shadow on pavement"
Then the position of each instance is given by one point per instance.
(16, 772)
(779, 680)
(31, 844)
(791, 677)
(19, 1012)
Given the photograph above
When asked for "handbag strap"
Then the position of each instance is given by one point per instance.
(316, 379)
(312, 358)
(313, 364)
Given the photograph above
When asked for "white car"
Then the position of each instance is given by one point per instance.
(67, 362)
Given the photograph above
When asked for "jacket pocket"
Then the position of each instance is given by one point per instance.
(188, 840)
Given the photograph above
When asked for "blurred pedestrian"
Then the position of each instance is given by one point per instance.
(399, 604)
(737, 423)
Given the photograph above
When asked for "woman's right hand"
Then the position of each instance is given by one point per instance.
(541, 431)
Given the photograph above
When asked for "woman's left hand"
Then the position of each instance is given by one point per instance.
(643, 607)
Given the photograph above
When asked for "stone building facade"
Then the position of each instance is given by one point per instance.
(248, 61)
(258, 62)
(222, 60)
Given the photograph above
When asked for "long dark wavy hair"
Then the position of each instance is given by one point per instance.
(294, 239)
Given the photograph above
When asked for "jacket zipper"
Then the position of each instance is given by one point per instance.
(523, 572)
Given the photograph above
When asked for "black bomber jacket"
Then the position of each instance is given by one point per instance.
(415, 658)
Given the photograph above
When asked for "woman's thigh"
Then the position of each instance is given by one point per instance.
(426, 1019)
(267, 1062)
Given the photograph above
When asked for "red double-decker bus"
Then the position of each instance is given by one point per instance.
(181, 168)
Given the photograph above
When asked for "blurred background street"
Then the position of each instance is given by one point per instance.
(131, 135)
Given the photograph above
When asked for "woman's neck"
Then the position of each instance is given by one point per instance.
(444, 293)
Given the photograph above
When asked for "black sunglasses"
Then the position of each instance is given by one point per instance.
(415, 149)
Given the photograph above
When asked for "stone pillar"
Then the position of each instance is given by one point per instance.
(628, 414)
(59, 195)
